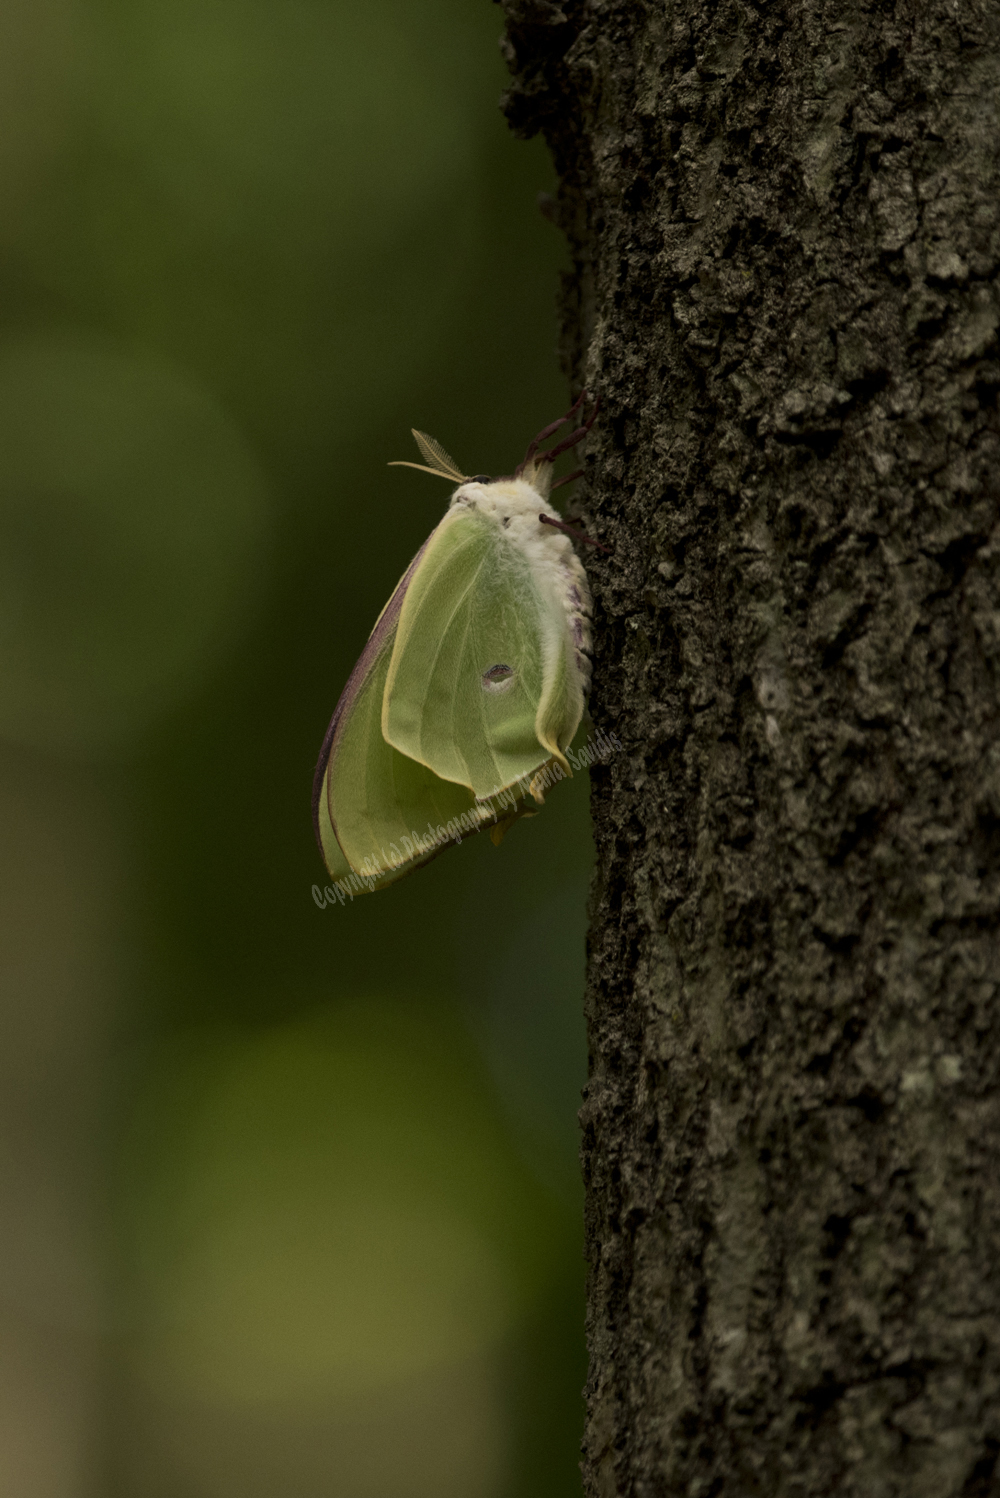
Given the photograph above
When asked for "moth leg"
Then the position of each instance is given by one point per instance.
(498, 833)
(568, 478)
(571, 530)
(573, 438)
(547, 432)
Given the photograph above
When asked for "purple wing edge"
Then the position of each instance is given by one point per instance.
(387, 621)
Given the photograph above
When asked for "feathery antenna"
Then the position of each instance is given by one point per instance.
(443, 465)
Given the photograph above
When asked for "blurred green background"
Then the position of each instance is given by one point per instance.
(290, 1195)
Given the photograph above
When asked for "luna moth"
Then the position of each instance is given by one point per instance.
(458, 715)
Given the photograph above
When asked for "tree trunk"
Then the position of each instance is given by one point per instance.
(783, 222)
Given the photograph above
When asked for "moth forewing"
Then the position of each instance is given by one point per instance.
(417, 702)
(470, 610)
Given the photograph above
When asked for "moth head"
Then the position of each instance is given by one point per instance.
(536, 469)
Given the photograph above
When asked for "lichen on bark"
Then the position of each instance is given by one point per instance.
(784, 228)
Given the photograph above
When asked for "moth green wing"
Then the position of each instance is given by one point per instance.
(379, 646)
(476, 649)
(376, 814)
(390, 813)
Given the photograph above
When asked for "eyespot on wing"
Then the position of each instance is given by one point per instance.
(498, 678)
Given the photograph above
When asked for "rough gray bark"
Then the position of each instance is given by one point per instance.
(783, 220)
